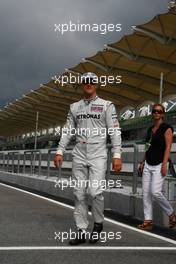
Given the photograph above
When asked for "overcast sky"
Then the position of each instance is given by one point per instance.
(31, 52)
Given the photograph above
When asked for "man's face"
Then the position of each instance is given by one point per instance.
(89, 89)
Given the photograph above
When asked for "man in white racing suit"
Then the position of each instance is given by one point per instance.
(91, 119)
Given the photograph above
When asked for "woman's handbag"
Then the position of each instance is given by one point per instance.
(171, 168)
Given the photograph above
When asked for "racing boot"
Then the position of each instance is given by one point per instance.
(79, 239)
(95, 235)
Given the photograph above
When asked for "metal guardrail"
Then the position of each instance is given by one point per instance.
(7, 156)
(32, 161)
(49, 160)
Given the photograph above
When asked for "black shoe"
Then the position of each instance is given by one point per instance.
(79, 239)
(95, 235)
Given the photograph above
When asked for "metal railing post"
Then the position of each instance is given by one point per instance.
(18, 164)
(7, 161)
(12, 161)
(48, 160)
(135, 170)
(48, 163)
(39, 163)
(3, 167)
(24, 162)
(59, 172)
(31, 166)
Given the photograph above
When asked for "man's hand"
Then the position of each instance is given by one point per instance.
(117, 164)
(164, 169)
(58, 160)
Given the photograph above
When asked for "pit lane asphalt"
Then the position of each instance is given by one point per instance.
(31, 221)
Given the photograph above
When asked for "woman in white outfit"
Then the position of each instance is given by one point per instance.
(154, 166)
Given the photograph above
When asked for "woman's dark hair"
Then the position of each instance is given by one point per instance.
(162, 107)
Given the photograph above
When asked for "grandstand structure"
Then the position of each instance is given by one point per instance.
(146, 61)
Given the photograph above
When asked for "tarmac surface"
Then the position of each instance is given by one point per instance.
(32, 227)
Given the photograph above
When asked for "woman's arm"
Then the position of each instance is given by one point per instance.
(168, 139)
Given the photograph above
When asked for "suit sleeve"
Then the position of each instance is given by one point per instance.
(114, 130)
(67, 133)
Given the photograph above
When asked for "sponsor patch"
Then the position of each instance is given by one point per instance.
(96, 109)
(87, 116)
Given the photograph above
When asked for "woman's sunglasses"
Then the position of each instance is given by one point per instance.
(154, 111)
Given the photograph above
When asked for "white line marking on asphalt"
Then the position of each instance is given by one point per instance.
(88, 248)
(106, 219)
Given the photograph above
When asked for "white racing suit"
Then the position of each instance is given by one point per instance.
(90, 121)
